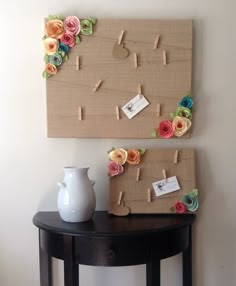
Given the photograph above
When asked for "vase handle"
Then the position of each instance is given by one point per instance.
(92, 182)
(61, 185)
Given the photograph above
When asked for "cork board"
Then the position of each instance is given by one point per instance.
(75, 110)
(135, 193)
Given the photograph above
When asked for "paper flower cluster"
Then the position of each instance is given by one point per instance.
(61, 34)
(189, 203)
(180, 123)
(119, 157)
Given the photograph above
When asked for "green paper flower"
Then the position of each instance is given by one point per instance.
(191, 201)
(86, 27)
(55, 59)
(184, 112)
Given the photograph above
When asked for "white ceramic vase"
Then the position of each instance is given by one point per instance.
(76, 198)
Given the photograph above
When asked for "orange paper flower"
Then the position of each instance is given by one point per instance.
(133, 157)
(54, 29)
(50, 69)
(50, 46)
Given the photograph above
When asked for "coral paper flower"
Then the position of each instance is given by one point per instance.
(165, 129)
(186, 102)
(50, 46)
(54, 29)
(50, 69)
(180, 125)
(133, 157)
(72, 25)
(68, 39)
(180, 207)
(114, 169)
(119, 156)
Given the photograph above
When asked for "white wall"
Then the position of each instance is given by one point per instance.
(31, 164)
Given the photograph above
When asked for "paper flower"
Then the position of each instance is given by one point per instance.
(61, 34)
(72, 25)
(165, 129)
(186, 102)
(182, 112)
(54, 29)
(50, 69)
(133, 157)
(55, 59)
(180, 207)
(191, 201)
(119, 156)
(50, 46)
(63, 48)
(86, 27)
(180, 125)
(114, 169)
(68, 39)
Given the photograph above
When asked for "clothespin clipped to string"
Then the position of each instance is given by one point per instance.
(164, 57)
(98, 84)
(117, 112)
(120, 198)
(77, 63)
(156, 42)
(158, 110)
(80, 114)
(121, 37)
(138, 175)
(164, 174)
(149, 195)
(176, 156)
(135, 60)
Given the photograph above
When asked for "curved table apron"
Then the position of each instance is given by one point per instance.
(108, 240)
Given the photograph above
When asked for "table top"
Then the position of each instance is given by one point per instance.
(104, 224)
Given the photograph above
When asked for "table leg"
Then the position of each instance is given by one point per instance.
(45, 264)
(153, 273)
(71, 270)
(187, 262)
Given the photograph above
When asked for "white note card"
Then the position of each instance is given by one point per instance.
(167, 186)
(135, 105)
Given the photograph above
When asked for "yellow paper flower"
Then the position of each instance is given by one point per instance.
(119, 156)
(50, 69)
(54, 29)
(50, 46)
(180, 125)
(133, 156)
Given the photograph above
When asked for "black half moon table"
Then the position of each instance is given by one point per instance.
(107, 240)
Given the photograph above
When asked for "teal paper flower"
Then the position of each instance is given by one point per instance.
(182, 112)
(63, 48)
(86, 27)
(191, 201)
(186, 102)
(55, 59)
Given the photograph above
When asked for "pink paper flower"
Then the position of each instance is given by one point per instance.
(114, 169)
(165, 129)
(68, 39)
(180, 207)
(72, 25)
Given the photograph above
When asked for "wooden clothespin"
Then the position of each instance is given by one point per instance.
(164, 57)
(121, 37)
(138, 175)
(120, 198)
(139, 89)
(135, 60)
(77, 63)
(97, 85)
(176, 156)
(80, 115)
(117, 113)
(164, 174)
(158, 110)
(156, 42)
(149, 195)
